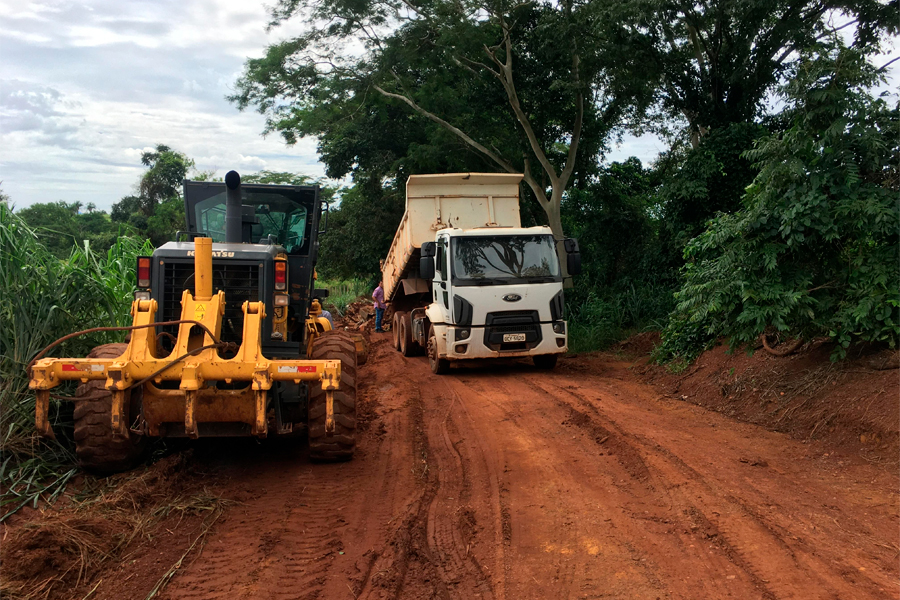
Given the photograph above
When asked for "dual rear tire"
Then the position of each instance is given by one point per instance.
(402, 330)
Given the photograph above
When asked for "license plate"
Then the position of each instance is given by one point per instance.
(513, 337)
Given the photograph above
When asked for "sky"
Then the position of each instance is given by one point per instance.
(86, 87)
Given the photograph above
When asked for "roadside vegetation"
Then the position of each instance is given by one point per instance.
(42, 298)
(342, 293)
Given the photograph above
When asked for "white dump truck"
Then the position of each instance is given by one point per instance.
(467, 281)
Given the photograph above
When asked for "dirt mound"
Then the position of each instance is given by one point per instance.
(65, 549)
(359, 316)
(640, 344)
(853, 403)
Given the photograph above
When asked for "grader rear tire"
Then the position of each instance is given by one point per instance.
(334, 345)
(97, 448)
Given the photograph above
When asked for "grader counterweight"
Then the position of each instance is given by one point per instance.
(248, 353)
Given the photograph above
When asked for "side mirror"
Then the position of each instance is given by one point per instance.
(426, 266)
(573, 263)
(320, 294)
(429, 249)
(571, 245)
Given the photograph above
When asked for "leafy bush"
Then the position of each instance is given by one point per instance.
(42, 298)
(814, 252)
(597, 322)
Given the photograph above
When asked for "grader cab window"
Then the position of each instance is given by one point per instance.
(269, 214)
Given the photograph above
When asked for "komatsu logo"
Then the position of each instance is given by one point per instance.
(216, 254)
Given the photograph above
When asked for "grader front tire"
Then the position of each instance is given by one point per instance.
(334, 345)
(97, 448)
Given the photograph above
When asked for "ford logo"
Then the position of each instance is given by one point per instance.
(512, 297)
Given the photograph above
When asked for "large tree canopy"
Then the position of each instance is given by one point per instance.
(520, 85)
(716, 63)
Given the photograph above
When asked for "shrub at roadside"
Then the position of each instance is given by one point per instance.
(814, 252)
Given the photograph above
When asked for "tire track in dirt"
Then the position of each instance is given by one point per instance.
(513, 483)
(561, 542)
(776, 560)
(277, 545)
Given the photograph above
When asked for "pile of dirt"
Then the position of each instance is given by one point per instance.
(360, 316)
(61, 552)
(851, 403)
(640, 344)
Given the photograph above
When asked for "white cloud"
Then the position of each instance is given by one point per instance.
(85, 89)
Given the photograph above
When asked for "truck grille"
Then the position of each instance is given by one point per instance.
(239, 281)
(512, 321)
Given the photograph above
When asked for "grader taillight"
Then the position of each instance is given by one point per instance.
(143, 271)
(280, 275)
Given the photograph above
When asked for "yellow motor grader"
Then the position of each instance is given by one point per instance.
(228, 337)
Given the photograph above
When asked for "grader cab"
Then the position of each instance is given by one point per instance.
(228, 337)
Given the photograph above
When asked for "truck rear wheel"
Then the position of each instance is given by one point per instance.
(334, 345)
(97, 448)
(395, 329)
(545, 361)
(407, 347)
(439, 366)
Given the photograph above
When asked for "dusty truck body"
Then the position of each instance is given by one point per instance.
(227, 338)
(466, 281)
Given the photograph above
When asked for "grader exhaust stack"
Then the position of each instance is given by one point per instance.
(210, 387)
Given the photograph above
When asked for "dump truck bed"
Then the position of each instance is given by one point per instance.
(435, 202)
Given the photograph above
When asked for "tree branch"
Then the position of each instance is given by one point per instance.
(455, 130)
(510, 87)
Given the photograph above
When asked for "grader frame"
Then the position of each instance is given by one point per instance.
(194, 362)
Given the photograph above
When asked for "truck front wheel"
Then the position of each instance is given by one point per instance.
(439, 366)
(334, 345)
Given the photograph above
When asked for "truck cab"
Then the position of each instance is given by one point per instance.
(466, 281)
(496, 293)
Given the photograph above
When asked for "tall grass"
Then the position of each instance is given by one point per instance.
(597, 322)
(342, 293)
(42, 298)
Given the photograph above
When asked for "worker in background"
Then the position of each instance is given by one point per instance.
(378, 296)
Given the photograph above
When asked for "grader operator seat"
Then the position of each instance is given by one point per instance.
(229, 338)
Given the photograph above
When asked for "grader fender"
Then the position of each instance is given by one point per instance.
(195, 363)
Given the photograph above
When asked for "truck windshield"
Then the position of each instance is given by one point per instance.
(491, 258)
(278, 216)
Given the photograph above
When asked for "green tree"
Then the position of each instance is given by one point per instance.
(158, 209)
(520, 85)
(163, 178)
(715, 64)
(61, 226)
(814, 250)
(360, 231)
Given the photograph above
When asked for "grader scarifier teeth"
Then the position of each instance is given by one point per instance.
(194, 363)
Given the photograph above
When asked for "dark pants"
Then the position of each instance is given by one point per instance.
(379, 313)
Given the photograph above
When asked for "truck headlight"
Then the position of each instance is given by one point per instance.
(559, 327)
(462, 334)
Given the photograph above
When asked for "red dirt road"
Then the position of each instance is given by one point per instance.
(512, 483)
